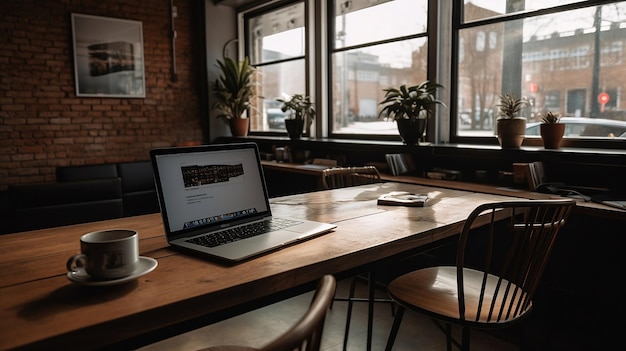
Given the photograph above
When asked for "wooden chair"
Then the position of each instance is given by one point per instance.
(340, 177)
(306, 334)
(501, 255)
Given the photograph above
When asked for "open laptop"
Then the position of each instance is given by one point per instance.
(209, 193)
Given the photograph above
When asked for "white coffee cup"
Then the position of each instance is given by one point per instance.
(107, 254)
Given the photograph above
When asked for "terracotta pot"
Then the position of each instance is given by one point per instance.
(294, 128)
(411, 130)
(238, 126)
(511, 132)
(552, 134)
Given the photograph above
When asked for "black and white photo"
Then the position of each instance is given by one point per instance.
(108, 57)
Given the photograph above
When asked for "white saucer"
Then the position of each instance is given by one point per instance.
(146, 265)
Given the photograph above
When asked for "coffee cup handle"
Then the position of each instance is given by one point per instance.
(75, 262)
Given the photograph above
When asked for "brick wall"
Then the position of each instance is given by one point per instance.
(43, 124)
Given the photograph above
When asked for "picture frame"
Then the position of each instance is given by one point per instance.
(108, 57)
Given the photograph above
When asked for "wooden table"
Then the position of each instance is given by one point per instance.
(42, 309)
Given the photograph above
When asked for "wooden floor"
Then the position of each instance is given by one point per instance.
(258, 327)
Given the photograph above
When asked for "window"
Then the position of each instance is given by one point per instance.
(375, 45)
(562, 55)
(276, 47)
(560, 58)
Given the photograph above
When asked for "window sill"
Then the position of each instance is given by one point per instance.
(525, 149)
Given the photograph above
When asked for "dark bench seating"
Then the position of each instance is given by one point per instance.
(81, 194)
(36, 206)
(138, 190)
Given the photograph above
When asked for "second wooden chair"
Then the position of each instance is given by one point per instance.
(306, 334)
(501, 255)
(341, 177)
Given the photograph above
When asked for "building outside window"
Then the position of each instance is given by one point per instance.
(562, 56)
(375, 45)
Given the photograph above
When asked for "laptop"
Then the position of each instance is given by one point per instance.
(214, 202)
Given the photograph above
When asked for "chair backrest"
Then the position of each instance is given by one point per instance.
(136, 176)
(138, 188)
(340, 177)
(86, 172)
(306, 334)
(504, 248)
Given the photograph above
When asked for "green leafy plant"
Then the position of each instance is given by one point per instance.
(551, 117)
(413, 102)
(233, 88)
(299, 107)
(510, 106)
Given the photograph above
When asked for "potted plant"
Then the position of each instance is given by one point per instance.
(510, 127)
(551, 130)
(410, 107)
(233, 91)
(301, 112)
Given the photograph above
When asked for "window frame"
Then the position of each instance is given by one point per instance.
(330, 42)
(458, 25)
(442, 32)
(273, 6)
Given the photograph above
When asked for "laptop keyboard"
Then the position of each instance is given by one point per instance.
(242, 232)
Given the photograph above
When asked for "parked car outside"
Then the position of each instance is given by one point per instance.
(276, 118)
(585, 127)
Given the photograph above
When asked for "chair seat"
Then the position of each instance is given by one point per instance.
(433, 291)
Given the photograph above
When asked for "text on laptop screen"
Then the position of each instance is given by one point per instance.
(209, 188)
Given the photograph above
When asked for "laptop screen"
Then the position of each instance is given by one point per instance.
(207, 187)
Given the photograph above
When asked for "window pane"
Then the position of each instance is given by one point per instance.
(362, 67)
(365, 21)
(277, 35)
(275, 81)
(551, 61)
(359, 77)
(276, 43)
(481, 9)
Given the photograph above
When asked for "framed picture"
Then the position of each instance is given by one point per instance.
(108, 57)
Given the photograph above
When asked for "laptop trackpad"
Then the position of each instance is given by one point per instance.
(246, 248)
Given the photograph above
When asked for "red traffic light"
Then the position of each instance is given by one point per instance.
(603, 98)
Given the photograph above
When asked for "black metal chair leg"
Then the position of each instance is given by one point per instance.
(394, 328)
(371, 299)
(465, 339)
(349, 315)
(370, 308)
